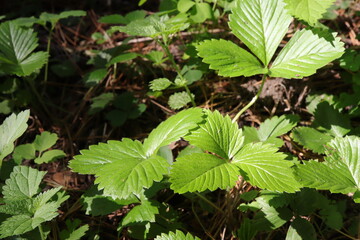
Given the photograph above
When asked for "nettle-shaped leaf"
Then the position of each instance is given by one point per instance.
(308, 10)
(28, 207)
(227, 159)
(271, 129)
(11, 129)
(16, 50)
(39, 149)
(261, 25)
(176, 235)
(123, 168)
(340, 173)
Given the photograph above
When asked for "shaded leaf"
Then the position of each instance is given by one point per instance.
(311, 138)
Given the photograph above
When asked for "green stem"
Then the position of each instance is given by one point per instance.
(253, 100)
(47, 62)
(41, 232)
(177, 69)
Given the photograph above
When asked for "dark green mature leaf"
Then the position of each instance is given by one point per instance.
(178, 235)
(12, 128)
(308, 10)
(201, 171)
(16, 225)
(16, 47)
(218, 135)
(23, 183)
(301, 229)
(266, 168)
(145, 212)
(229, 59)
(306, 51)
(339, 173)
(172, 129)
(311, 138)
(261, 25)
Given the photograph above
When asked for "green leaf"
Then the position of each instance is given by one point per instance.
(229, 59)
(95, 77)
(203, 11)
(23, 183)
(218, 135)
(100, 102)
(265, 168)
(54, 18)
(45, 141)
(172, 129)
(16, 50)
(179, 100)
(306, 51)
(339, 173)
(184, 5)
(73, 231)
(15, 225)
(311, 139)
(177, 235)
(50, 156)
(308, 10)
(201, 171)
(11, 129)
(261, 25)
(160, 84)
(142, 213)
(122, 58)
(301, 229)
(24, 151)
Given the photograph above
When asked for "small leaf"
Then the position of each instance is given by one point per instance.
(11, 129)
(229, 59)
(301, 229)
(172, 129)
(23, 183)
(184, 5)
(311, 139)
(142, 213)
(201, 171)
(122, 58)
(308, 10)
(178, 235)
(100, 102)
(45, 141)
(24, 151)
(50, 156)
(203, 11)
(179, 100)
(263, 167)
(95, 77)
(160, 84)
(261, 25)
(305, 53)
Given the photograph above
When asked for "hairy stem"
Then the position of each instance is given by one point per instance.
(253, 100)
(177, 69)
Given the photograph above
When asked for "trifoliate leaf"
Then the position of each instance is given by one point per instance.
(229, 59)
(12, 128)
(160, 84)
(16, 50)
(50, 156)
(23, 183)
(172, 129)
(311, 138)
(306, 52)
(339, 173)
(218, 135)
(179, 100)
(177, 235)
(261, 25)
(266, 168)
(45, 141)
(308, 10)
(301, 229)
(201, 171)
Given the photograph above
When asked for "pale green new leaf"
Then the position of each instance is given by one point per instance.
(142, 213)
(179, 100)
(121, 168)
(23, 183)
(308, 10)
(229, 59)
(50, 156)
(15, 225)
(16, 47)
(178, 235)
(218, 135)
(340, 173)
(172, 129)
(266, 168)
(201, 171)
(306, 52)
(160, 84)
(45, 141)
(261, 25)
(12, 128)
